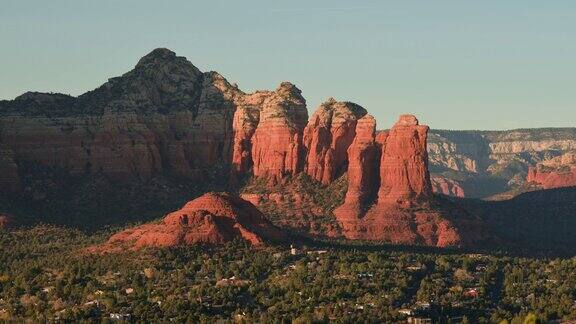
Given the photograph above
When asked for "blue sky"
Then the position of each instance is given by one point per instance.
(456, 64)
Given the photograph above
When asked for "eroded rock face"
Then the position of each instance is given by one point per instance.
(554, 173)
(447, 187)
(277, 148)
(165, 117)
(327, 137)
(213, 218)
(246, 121)
(394, 164)
(363, 178)
(404, 176)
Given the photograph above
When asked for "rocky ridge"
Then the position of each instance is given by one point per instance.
(165, 117)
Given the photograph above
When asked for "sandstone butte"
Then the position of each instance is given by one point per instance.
(329, 133)
(214, 218)
(554, 173)
(398, 206)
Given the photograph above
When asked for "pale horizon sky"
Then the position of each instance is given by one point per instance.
(456, 64)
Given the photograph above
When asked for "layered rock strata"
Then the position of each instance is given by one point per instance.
(165, 117)
(554, 173)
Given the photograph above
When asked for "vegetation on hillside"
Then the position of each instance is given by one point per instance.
(45, 276)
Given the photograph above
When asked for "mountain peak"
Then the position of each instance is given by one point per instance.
(157, 55)
(166, 60)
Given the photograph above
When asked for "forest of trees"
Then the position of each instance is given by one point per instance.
(45, 275)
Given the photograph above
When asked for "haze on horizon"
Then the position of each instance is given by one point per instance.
(455, 64)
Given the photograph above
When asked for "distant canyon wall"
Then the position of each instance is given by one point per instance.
(485, 163)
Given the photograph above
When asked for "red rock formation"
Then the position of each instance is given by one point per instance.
(554, 173)
(245, 122)
(213, 218)
(277, 147)
(447, 187)
(163, 117)
(362, 171)
(393, 224)
(404, 183)
(327, 137)
(404, 176)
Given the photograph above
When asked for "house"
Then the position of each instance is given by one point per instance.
(317, 252)
(47, 289)
(120, 317)
(481, 268)
(293, 250)
(419, 320)
(406, 311)
(232, 281)
(92, 303)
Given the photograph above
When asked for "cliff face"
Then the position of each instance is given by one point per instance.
(163, 117)
(277, 147)
(447, 187)
(213, 218)
(404, 176)
(363, 177)
(327, 137)
(554, 173)
(404, 210)
(485, 163)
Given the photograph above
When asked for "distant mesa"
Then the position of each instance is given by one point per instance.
(557, 172)
(214, 218)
